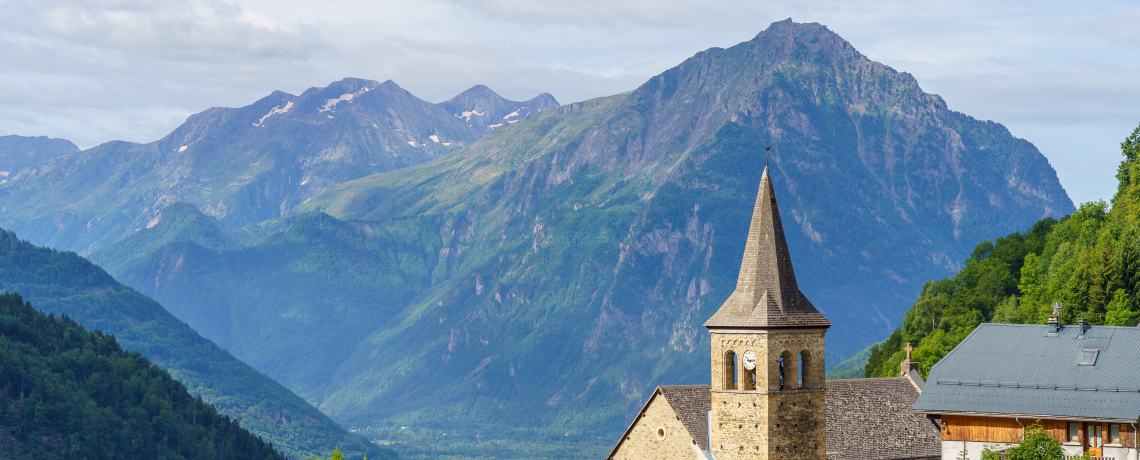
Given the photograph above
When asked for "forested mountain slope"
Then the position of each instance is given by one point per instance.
(242, 165)
(68, 393)
(65, 284)
(1089, 261)
(554, 272)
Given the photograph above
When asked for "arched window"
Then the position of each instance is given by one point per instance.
(807, 379)
(787, 370)
(730, 377)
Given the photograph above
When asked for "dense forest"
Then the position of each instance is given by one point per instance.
(63, 283)
(69, 393)
(1088, 261)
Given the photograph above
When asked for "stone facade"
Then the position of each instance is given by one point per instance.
(657, 433)
(775, 417)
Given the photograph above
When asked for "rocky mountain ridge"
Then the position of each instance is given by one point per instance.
(241, 165)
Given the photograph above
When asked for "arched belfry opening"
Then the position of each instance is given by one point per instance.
(807, 379)
(730, 371)
(788, 371)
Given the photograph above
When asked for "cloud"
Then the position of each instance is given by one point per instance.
(166, 31)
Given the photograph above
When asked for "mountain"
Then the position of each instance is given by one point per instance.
(19, 152)
(68, 391)
(241, 166)
(1089, 261)
(555, 271)
(484, 110)
(65, 284)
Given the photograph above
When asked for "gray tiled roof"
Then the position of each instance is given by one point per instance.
(692, 404)
(766, 292)
(870, 419)
(867, 419)
(1022, 369)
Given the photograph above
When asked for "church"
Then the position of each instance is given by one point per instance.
(768, 398)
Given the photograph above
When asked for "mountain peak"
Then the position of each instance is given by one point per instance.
(484, 110)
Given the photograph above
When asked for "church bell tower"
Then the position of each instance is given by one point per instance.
(767, 354)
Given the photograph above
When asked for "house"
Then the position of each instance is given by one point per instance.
(1081, 383)
(768, 398)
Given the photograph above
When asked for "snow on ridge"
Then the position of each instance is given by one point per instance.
(496, 126)
(434, 138)
(184, 147)
(331, 103)
(412, 143)
(467, 115)
(513, 114)
(275, 111)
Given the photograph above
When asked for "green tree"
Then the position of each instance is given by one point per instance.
(1037, 444)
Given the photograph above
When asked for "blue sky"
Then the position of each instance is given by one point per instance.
(1062, 74)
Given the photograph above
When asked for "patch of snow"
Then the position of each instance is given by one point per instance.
(154, 221)
(1, 182)
(306, 181)
(331, 103)
(374, 126)
(434, 138)
(4, 173)
(275, 111)
(446, 143)
(183, 148)
(512, 114)
(412, 143)
(467, 115)
(512, 121)
(496, 126)
(330, 116)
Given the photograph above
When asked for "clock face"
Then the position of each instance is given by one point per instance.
(749, 360)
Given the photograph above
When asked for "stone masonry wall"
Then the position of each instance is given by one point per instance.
(767, 422)
(658, 434)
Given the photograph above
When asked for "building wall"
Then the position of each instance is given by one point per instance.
(768, 422)
(952, 450)
(645, 440)
(977, 432)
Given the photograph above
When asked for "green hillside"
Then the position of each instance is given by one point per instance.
(65, 284)
(68, 393)
(530, 290)
(1089, 261)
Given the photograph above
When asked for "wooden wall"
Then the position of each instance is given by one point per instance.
(999, 429)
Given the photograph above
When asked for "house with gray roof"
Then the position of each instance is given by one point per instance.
(1079, 382)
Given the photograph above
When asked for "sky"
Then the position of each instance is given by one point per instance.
(1061, 74)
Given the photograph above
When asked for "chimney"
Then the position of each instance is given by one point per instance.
(1054, 322)
(1084, 327)
(908, 364)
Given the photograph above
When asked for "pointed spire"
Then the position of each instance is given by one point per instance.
(766, 292)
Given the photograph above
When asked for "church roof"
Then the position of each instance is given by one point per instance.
(871, 419)
(766, 292)
(692, 404)
(867, 419)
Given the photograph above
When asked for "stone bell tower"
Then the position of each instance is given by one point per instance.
(767, 354)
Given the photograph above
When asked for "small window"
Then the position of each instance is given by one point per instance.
(1088, 357)
(1074, 432)
(1114, 433)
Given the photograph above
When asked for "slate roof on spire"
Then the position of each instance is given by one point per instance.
(766, 292)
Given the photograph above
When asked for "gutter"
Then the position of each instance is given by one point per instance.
(1028, 416)
(1022, 427)
(1135, 439)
